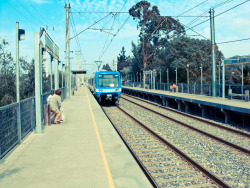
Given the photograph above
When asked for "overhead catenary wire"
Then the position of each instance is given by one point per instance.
(115, 36)
(34, 16)
(115, 16)
(233, 41)
(207, 11)
(21, 14)
(193, 7)
(221, 13)
(41, 16)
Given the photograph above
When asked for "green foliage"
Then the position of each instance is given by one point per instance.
(106, 67)
(182, 52)
(122, 60)
(155, 30)
(7, 76)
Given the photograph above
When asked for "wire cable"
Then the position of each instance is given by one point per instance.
(233, 41)
(115, 36)
(45, 21)
(21, 14)
(221, 13)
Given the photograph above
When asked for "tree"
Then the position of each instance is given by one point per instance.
(7, 76)
(106, 67)
(155, 30)
(182, 51)
(122, 60)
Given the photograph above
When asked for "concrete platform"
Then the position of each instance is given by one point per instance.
(229, 111)
(84, 151)
(234, 104)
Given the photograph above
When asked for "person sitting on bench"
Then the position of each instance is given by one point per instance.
(173, 87)
(55, 105)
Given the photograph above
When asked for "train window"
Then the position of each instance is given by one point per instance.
(108, 80)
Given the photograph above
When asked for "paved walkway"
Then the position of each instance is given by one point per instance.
(84, 151)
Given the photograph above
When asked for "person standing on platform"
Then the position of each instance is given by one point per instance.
(55, 105)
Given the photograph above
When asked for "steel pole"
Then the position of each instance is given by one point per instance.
(56, 78)
(223, 79)
(68, 75)
(213, 52)
(160, 76)
(62, 75)
(188, 79)
(18, 86)
(151, 80)
(51, 73)
(201, 81)
(38, 86)
(219, 78)
(144, 79)
(167, 76)
(176, 75)
(242, 79)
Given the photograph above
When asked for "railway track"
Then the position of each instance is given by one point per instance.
(246, 134)
(197, 121)
(163, 163)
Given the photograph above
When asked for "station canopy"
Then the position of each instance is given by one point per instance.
(79, 72)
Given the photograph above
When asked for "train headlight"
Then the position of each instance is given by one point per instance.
(120, 89)
(99, 90)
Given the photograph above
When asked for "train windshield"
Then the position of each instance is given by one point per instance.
(108, 80)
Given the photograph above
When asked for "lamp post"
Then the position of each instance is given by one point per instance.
(62, 73)
(188, 78)
(219, 77)
(201, 80)
(176, 75)
(20, 35)
(223, 79)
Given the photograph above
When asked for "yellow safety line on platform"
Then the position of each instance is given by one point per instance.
(111, 183)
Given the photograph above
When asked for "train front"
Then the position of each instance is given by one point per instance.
(108, 86)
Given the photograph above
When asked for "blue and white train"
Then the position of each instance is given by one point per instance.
(106, 86)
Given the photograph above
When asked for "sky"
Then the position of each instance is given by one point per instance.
(104, 40)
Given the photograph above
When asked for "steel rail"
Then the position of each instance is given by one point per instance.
(144, 169)
(207, 173)
(195, 129)
(193, 117)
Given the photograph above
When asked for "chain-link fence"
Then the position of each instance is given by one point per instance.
(198, 89)
(8, 121)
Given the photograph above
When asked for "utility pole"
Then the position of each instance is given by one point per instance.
(68, 67)
(213, 52)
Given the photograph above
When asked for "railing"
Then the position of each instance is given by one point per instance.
(8, 121)
(198, 89)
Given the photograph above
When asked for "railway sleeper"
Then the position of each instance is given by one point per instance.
(188, 179)
(152, 150)
(173, 173)
(180, 177)
(172, 168)
(157, 160)
(210, 185)
(164, 164)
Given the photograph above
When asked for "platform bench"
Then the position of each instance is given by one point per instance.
(231, 95)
